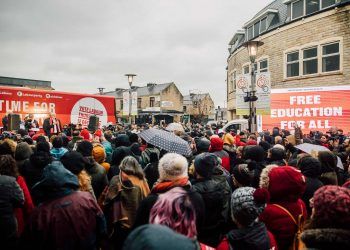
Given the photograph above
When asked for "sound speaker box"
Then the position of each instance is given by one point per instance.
(14, 121)
(93, 123)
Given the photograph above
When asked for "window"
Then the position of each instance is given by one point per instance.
(293, 64)
(139, 101)
(310, 59)
(327, 3)
(246, 70)
(151, 101)
(297, 9)
(255, 65)
(121, 105)
(312, 6)
(330, 57)
(256, 29)
(263, 24)
(263, 66)
(184, 108)
(234, 76)
(250, 32)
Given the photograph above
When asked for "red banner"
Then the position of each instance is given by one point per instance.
(68, 107)
(313, 109)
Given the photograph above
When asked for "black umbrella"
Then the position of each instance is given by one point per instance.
(166, 140)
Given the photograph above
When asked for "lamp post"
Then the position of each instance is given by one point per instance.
(252, 47)
(130, 80)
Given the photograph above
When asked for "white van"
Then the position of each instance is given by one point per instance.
(238, 125)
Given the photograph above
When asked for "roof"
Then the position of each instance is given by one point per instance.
(21, 82)
(148, 90)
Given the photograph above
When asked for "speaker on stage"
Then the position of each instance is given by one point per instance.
(14, 121)
(93, 123)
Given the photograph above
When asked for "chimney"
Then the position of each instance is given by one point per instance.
(100, 90)
(151, 85)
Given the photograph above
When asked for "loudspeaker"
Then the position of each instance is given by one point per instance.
(14, 122)
(93, 123)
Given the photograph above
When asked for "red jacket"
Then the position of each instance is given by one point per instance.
(216, 147)
(22, 214)
(239, 142)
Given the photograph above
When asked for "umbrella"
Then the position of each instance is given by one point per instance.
(175, 126)
(166, 140)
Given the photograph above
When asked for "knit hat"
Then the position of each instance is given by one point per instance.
(216, 144)
(98, 133)
(172, 167)
(203, 145)
(242, 174)
(85, 134)
(23, 151)
(205, 163)
(247, 204)
(332, 207)
(43, 147)
(85, 148)
(99, 154)
(254, 153)
(309, 166)
(73, 161)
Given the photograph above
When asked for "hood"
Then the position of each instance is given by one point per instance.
(254, 237)
(23, 151)
(135, 149)
(122, 140)
(57, 153)
(56, 182)
(216, 144)
(254, 153)
(310, 167)
(119, 154)
(40, 159)
(277, 154)
(326, 238)
(283, 183)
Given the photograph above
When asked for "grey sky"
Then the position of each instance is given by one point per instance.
(83, 44)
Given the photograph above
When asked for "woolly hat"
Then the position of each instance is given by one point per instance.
(98, 133)
(242, 174)
(43, 147)
(85, 134)
(205, 163)
(99, 154)
(247, 204)
(309, 166)
(172, 167)
(85, 148)
(23, 151)
(73, 161)
(203, 145)
(283, 183)
(254, 153)
(332, 207)
(216, 144)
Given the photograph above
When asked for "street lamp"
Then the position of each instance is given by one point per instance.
(252, 47)
(130, 80)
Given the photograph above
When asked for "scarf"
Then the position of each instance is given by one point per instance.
(160, 187)
(56, 126)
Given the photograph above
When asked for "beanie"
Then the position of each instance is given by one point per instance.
(85, 134)
(99, 154)
(43, 147)
(85, 148)
(203, 145)
(172, 167)
(73, 161)
(205, 163)
(242, 174)
(309, 166)
(23, 151)
(247, 203)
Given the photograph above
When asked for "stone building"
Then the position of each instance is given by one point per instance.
(306, 43)
(155, 102)
(199, 106)
(29, 83)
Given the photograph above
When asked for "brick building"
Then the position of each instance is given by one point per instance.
(155, 102)
(306, 43)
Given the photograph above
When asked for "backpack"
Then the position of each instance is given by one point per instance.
(297, 242)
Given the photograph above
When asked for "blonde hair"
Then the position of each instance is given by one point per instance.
(84, 181)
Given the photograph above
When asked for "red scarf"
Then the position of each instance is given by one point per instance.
(166, 185)
(57, 127)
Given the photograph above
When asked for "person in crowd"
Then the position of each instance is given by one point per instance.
(30, 124)
(286, 186)
(52, 125)
(99, 154)
(118, 155)
(8, 146)
(175, 210)
(145, 155)
(151, 169)
(75, 162)
(5, 121)
(8, 167)
(216, 199)
(310, 167)
(255, 157)
(202, 145)
(216, 147)
(98, 174)
(329, 227)
(329, 170)
(22, 154)
(124, 195)
(106, 143)
(65, 218)
(57, 150)
(75, 138)
(156, 237)
(122, 140)
(242, 176)
(11, 197)
(33, 168)
(247, 204)
(173, 172)
(277, 156)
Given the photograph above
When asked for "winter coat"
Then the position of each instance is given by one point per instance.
(11, 196)
(312, 184)
(98, 176)
(146, 155)
(216, 205)
(66, 218)
(57, 153)
(118, 155)
(225, 159)
(326, 239)
(33, 168)
(254, 237)
(151, 173)
(109, 150)
(23, 213)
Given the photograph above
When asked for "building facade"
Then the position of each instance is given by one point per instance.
(306, 43)
(155, 102)
(200, 107)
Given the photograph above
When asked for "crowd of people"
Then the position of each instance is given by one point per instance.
(111, 189)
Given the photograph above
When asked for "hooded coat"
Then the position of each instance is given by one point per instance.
(255, 158)
(98, 175)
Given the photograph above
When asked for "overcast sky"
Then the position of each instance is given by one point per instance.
(80, 45)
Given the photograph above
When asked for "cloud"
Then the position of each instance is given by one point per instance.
(80, 45)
